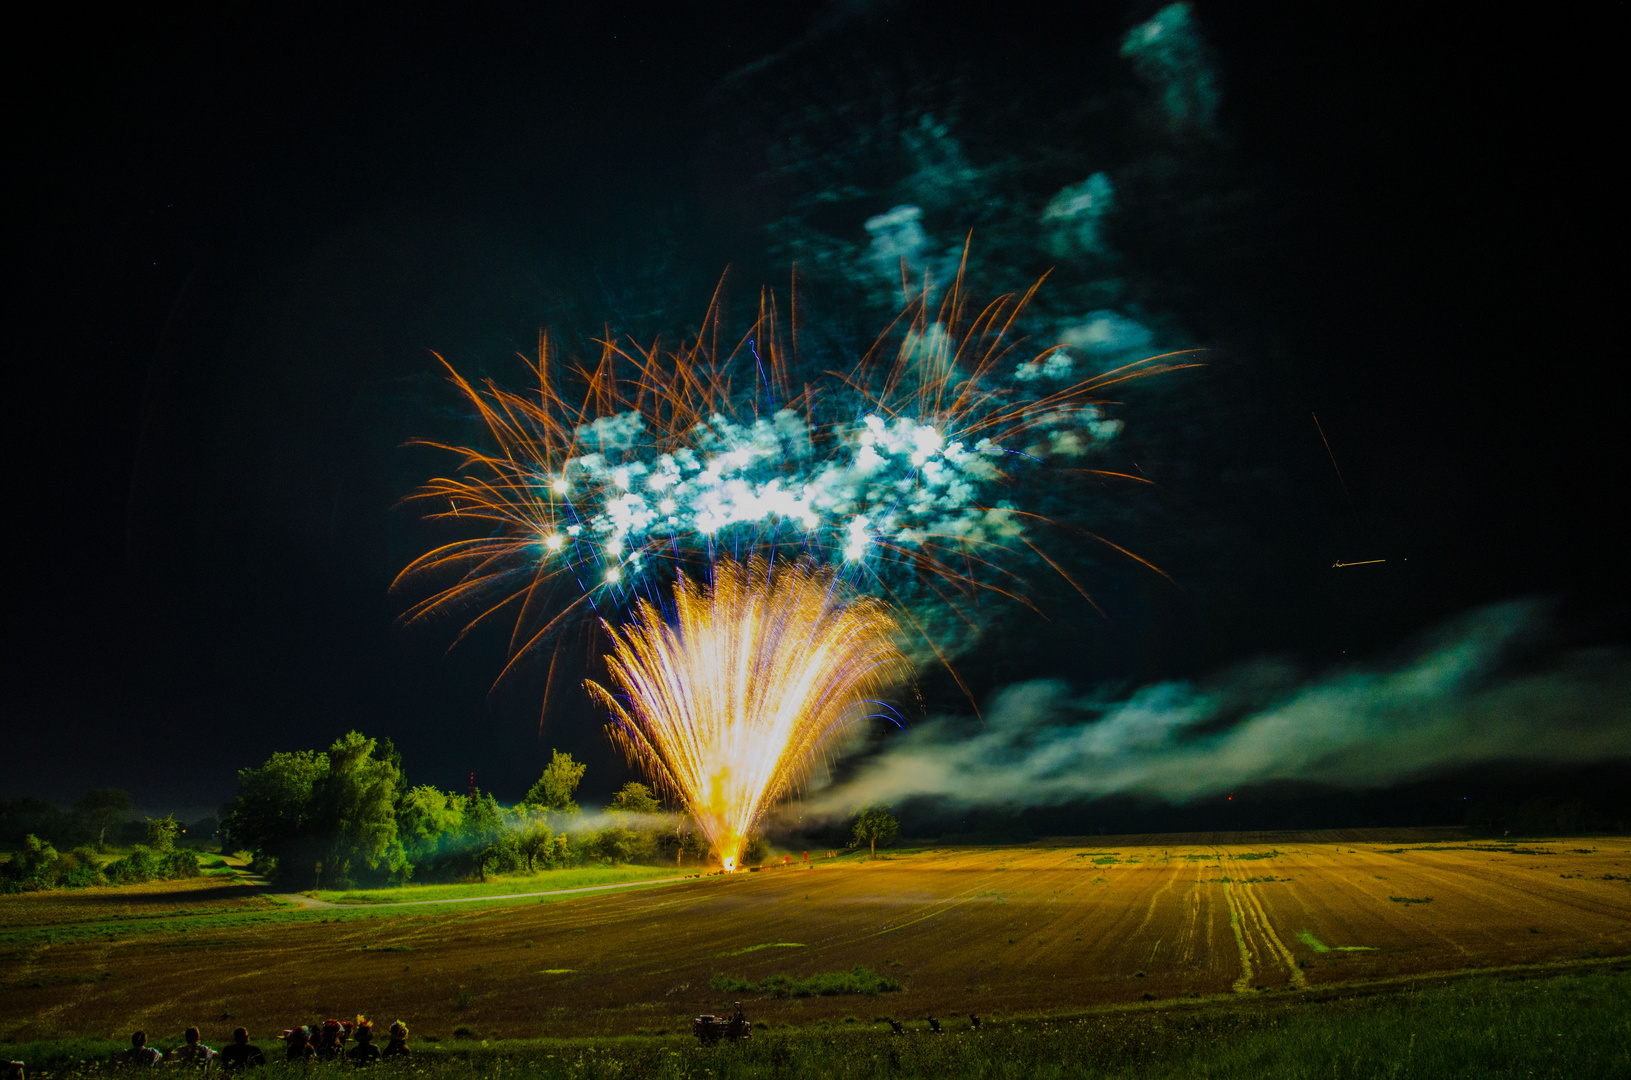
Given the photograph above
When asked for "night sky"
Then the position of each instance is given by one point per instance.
(239, 233)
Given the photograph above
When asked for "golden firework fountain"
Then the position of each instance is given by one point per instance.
(728, 703)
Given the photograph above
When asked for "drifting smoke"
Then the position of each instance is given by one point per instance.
(1170, 54)
(1455, 703)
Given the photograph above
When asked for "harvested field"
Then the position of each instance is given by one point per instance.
(1051, 928)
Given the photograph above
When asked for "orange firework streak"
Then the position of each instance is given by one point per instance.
(728, 703)
(940, 374)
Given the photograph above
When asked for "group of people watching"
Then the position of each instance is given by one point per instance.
(329, 1044)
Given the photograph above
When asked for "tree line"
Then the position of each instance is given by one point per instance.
(347, 817)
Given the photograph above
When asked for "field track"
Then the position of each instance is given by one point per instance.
(1056, 927)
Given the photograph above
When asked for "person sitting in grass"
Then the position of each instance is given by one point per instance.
(191, 1052)
(139, 1053)
(331, 1046)
(298, 1044)
(365, 1052)
(398, 1046)
(242, 1054)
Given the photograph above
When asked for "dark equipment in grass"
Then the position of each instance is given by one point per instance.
(709, 1029)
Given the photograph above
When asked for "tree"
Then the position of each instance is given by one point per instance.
(534, 839)
(274, 815)
(554, 790)
(636, 798)
(616, 844)
(682, 832)
(426, 815)
(486, 835)
(161, 833)
(102, 809)
(356, 809)
(875, 826)
(430, 823)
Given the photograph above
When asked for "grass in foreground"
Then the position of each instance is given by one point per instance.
(1565, 1026)
(541, 882)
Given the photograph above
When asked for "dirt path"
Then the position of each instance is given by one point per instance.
(311, 903)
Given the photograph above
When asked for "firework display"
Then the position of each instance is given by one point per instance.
(786, 511)
(893, 471)
(727, 701)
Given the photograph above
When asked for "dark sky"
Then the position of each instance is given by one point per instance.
(238, 233)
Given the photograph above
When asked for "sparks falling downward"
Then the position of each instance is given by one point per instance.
(726, 704)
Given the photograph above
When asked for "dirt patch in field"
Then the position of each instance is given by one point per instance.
(987, 930)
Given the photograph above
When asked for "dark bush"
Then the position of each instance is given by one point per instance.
(133, 869)
(35, 865)
(180, 863)
(80, 869)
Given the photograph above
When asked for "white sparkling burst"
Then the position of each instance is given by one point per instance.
(891, 481)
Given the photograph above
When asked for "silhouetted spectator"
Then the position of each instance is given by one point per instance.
(139, 1053)
(242, 1054)
(934, 1026)
(365, 1052)
(398, 1046)
(975, 1020)
(298, 1043)
(191, 1052)
(14, 1070)
(896, 1024)
(331, 1044)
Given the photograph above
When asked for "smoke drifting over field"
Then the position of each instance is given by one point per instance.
(1458, 700)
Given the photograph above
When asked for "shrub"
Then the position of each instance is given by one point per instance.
(34, 866)
(80, 869)
(133, 869)
(180, 863)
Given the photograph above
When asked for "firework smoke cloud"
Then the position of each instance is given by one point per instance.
(1452, 704)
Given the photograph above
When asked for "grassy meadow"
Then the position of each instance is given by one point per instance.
(1561, 1026)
